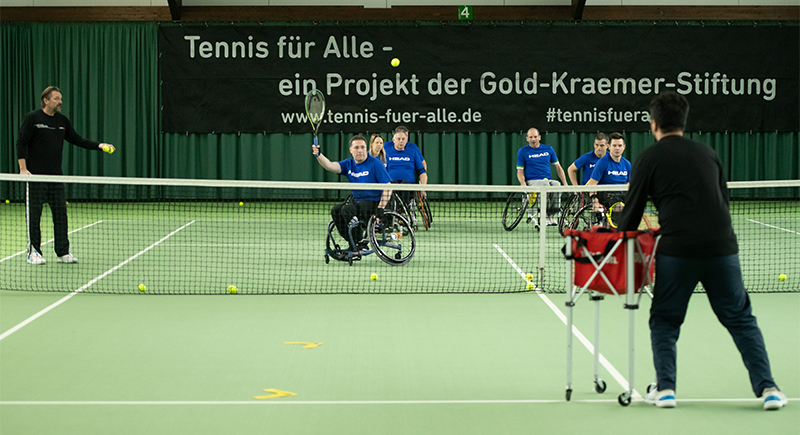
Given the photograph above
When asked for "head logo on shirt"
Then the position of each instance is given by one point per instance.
(400, 159)
(618, 173)
(357, 174)
(533, 156)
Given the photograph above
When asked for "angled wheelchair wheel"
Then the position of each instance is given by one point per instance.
(516, 205)
(569, 211)
(392, 239)
(400, 207)
(424, 211)
(582, 220)
(335, 245)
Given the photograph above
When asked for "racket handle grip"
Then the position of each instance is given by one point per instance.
(315, 140)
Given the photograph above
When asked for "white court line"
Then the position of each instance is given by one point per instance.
(85, 286)
(25, 251)
(773, 226)
(334, 402)
(586, 343)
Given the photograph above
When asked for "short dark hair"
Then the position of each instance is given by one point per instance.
(601, 136)
(670, 111)
(616, 135)
(355, 138)
(46, 93)
(401, 129)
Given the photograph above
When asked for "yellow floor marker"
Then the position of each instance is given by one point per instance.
(307, 344)
(275, 394)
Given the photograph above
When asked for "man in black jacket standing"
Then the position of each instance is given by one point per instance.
(688, 187)
(39, 150)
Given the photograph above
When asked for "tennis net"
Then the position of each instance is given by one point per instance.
(203, 236)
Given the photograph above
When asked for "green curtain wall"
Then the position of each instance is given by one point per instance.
(108, 73)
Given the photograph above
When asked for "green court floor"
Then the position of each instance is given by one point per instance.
(387, 364)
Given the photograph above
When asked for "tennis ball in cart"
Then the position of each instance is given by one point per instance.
(395, 62)
(142, 287)
(374, 276)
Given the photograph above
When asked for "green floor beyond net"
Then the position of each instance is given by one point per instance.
(148, 236)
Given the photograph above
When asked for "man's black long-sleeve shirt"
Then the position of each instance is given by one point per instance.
(686, 181)
(41, 141)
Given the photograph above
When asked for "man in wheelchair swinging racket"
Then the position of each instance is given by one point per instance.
(361, 168)
(611, 169)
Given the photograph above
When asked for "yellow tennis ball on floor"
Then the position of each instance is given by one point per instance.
(232, 289)
(529, 286)
(395, 62)
(782, 277)
(142, 287)
(241, 204)
(529, 277)
(374, 276)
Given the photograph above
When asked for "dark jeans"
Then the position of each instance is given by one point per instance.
(36, 196)
(676, 278)
(343, 213)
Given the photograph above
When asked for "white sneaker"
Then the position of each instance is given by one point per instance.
(662, 399)
(773, 399)
(36, 258)
(67, 259)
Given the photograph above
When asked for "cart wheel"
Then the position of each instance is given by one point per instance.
(350, 261)
(327, 259)
(624, 398)
(600, 386)
(569, 393)
(651, 387)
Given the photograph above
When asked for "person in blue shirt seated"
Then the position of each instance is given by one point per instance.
(533, 168)
(586, 162)
(361, 168)
(611, 169)
(404, 161)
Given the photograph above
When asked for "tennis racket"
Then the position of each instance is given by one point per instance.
(615, 211)
(315, 110)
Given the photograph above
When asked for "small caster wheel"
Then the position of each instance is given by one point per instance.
(651, 387)
(624, 399)
(529, 220)
(398, 256)
(327, 259)
(600, 386)
(569, 394)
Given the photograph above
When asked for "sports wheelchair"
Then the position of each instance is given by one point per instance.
(392, 240)
(416, 210)
(579, 214)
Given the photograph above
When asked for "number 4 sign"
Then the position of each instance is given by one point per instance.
(465, 13)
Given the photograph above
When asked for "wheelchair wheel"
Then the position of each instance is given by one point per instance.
(583, 219)
(569, 211)
(516, 205)
(424, 210)
(398, 205)
(335, 245)
(392, 239)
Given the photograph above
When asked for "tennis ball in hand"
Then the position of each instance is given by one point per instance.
(782, 277)
(395, 62)
(232, 289)
(142, 287)
(529, 277)
(374, 276)
(108, 149)
(529, 286)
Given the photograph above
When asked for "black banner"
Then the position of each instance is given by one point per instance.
(252, 79)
